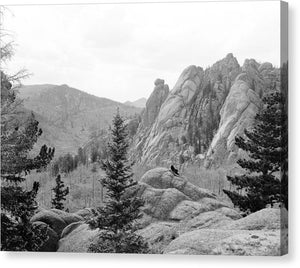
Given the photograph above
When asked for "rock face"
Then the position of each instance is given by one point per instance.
(268, 218)
(200, 117)
(154, 102)
(78, 240)
(237, 114)
(149, 114)
(164, 193)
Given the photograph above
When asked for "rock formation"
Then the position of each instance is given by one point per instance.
(200, 117)
(180, 218)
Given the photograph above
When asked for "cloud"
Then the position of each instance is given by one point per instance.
(117, 51)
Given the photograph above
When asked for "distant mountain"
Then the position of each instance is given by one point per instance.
(140, 103)
(69, 116)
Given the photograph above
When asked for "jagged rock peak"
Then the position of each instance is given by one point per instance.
(154, 102)
(159, 81)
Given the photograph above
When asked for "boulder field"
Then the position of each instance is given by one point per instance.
(178, 218)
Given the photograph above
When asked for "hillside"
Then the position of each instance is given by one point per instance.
(68, 116)
(140, 103)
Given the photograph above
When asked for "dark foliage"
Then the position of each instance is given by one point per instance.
(265, 180)
(117, 217)
(60, 193)
(19, 133)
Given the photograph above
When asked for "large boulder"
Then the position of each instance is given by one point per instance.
(229, 212)
(159, 235)
(78, 240)
(268, 218)
(70, 228)
(160, 202)
(67, 217)
(185, 209)
(51, 243)
(206, 220)
(53, 220)
(229, 242)
(251, 244)
(163, 178)
(85, 213)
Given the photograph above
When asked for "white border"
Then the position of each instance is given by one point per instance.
(66, 260)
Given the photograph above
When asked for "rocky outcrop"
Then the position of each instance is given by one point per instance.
(202, 114)
(163, 178)
(78, 240)
(53, 220)
(58, 224)
(164, 193)
(159, 235)
(226, 242)
(148, 117)
(68, 218)
(189, 116)
(178, 220)
(154, 102)
(268, 218)
(237, 114)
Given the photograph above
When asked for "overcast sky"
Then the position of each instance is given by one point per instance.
(117, 51)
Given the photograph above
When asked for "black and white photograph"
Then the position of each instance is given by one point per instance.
(145, 128)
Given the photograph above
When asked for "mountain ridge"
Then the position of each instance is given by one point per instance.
(68, 115)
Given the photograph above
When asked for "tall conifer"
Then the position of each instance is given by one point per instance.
(116, 218)
(263, 182)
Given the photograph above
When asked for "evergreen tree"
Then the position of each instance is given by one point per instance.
(60, 193)
(117, 217)
(265, 145)
(19, 133)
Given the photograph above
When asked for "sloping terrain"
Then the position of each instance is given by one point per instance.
(68, 116)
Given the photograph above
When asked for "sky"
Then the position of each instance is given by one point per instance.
(117, 51)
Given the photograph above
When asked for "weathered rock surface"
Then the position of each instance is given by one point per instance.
(85, 213)
(68, 218)
(159, 235)
(53, 220)
(78, 240)
(70, 228)
(207, 220)
(185, 209)
(230, 242)
(189, 116)
(156, 99)
(237, 114)
(163, 178)
(203, 113)
(177, 222)
(163, 192)
(229, 212)
(268, 218)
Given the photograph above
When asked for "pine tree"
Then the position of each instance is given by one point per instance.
(261, 184)
(117, 217)
(60, 193)
(17, 204)
(19, 133)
